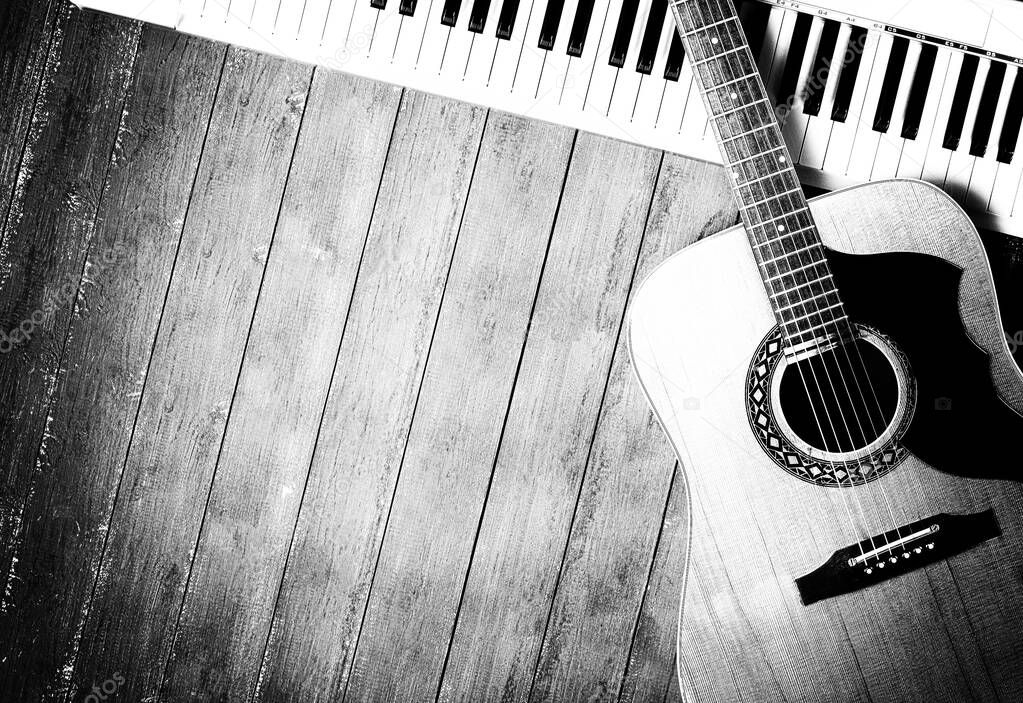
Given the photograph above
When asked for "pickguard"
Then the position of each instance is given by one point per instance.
(960, 425)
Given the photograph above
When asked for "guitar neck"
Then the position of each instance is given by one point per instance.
(772, 204)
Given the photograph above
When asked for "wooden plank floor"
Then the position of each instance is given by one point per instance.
(314, 389)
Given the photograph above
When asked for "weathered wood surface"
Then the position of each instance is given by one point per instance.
(286, 373)
(551, 421)
(373, 396)
(461, 410)
(345, 415)
(45, 241)
(625, 488)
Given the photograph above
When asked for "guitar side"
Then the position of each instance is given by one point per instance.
(950, 631)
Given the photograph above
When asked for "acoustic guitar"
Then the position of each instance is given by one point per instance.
(835, 381)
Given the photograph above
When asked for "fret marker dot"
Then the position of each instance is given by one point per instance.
(714, 40)
(781, 228)
(734, 95)
(781, 159)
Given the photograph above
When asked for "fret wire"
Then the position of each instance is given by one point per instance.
(804, 301)
(706, 90)
(784, 172)
(780, 217)
(791, 253)
(823, 325)
(770, 198)
(709, 26)
(744, 107)
(761, 128)
(776, 240)
(815, 312)
(763, 153)
(788, 291)
(715, 57)
(793, 271)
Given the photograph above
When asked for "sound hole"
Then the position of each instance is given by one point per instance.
(840, 400)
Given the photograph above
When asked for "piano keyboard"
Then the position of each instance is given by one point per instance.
(866, 89)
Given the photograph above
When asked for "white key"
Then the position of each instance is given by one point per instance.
(960, 167)
(891, 143)
(794, 120)
(653, 88)
(604, 76)
(843, 134)
(937, 158)
(286, 25)
(694, 114)
(412, 34)
(555, 69)
(915, 151)
(985, 169)
(390, 23)
(1006, 187)
(531, 61)
(623, 102)
(772, 77)
(580, 68)
(481, 57)
(361, 28)
(333, 34)
(865, 142)
(818, 128)
(434, 46)
(506, 58)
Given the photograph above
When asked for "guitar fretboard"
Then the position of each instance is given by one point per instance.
(774, 209)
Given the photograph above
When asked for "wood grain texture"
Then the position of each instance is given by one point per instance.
(285, 376)
(372, 397)
(620, 509)
(551, 421)
(42, 253)
(950, 629)
(154, 163)
(460, 414)
(116, 311)
(26, 30)
(197, 353)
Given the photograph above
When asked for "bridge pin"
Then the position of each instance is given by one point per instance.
(880, 564)
(869, 571)
(894, 560)
(905, 555)
(930, 545)
(918, 550)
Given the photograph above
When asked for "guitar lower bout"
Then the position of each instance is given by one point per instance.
(789, 512)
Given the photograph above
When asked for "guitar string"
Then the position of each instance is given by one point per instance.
(856, 531)
(777, 132)
(848, 389)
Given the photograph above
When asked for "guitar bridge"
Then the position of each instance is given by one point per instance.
(896, 552)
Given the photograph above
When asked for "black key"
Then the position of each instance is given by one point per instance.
(890, 84)
(478, 15)
(620, 44)
(506, 20)
(960, 102)
(918, 92)
(847, 74)
(821, 68)
(986, 110)
(378, 4)
(676, 54)
(1013, 118)
(651, 36)
(794, 60)
(754, 16)
(551, 20)
(449, 15)
(580, 27)
(407, 7)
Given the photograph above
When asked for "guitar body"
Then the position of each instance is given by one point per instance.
(764, 513)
